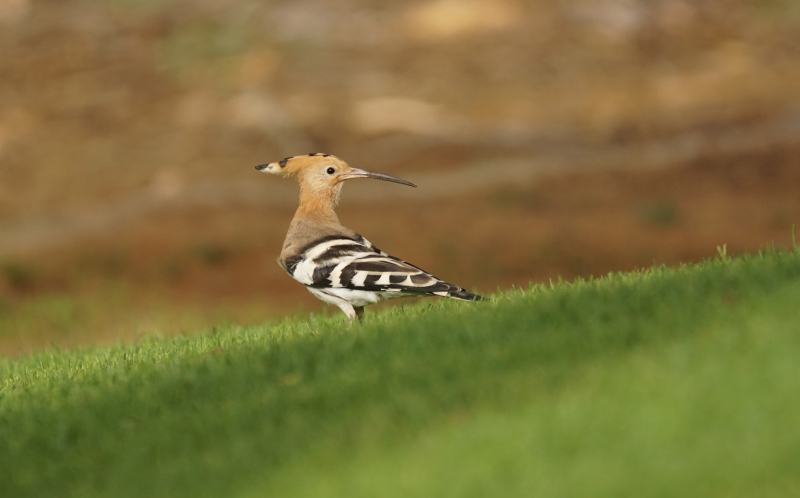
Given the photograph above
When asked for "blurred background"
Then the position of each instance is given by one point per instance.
(548, 139)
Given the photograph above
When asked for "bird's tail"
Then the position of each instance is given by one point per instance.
(463, 295)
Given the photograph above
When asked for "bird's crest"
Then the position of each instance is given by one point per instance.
(296, 164)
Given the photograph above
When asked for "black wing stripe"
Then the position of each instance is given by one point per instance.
(322, 276)
(336, 253)
(381, 267)
(311, 245)
(371, 279)
(346, 276)
(291, 264)
(396, 279)
(421, 279)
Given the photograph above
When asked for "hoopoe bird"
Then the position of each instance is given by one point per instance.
(336, 264)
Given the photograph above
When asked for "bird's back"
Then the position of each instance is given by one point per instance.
(339, 258)
(304, 233)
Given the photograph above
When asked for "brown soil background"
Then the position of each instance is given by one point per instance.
(549, 139)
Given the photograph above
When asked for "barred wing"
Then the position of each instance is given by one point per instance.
(340, 262)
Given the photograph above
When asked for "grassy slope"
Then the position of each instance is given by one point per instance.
(672, 382)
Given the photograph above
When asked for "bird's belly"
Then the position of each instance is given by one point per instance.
(334, 295)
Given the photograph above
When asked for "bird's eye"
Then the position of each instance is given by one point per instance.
(330, 171)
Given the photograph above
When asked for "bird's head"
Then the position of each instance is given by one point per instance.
(322, 174)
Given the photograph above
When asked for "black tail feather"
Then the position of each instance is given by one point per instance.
(463, 295)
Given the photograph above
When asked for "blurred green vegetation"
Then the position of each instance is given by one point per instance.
(659, 213)
(19, 276)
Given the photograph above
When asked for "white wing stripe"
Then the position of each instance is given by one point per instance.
(321, 249)
(304, 272)
(336, 274)
(358, 280)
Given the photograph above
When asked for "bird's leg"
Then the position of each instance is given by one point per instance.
(359, 313)
(349, 311)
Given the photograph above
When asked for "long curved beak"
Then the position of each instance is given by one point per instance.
(360, 173)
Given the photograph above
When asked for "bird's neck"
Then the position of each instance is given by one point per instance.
(318, 205)
(314, 218)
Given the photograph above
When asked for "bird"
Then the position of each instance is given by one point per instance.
(336, 264)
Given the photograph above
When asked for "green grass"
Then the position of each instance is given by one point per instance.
(668, 382)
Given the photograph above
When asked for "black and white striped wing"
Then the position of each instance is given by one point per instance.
(356, 264)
